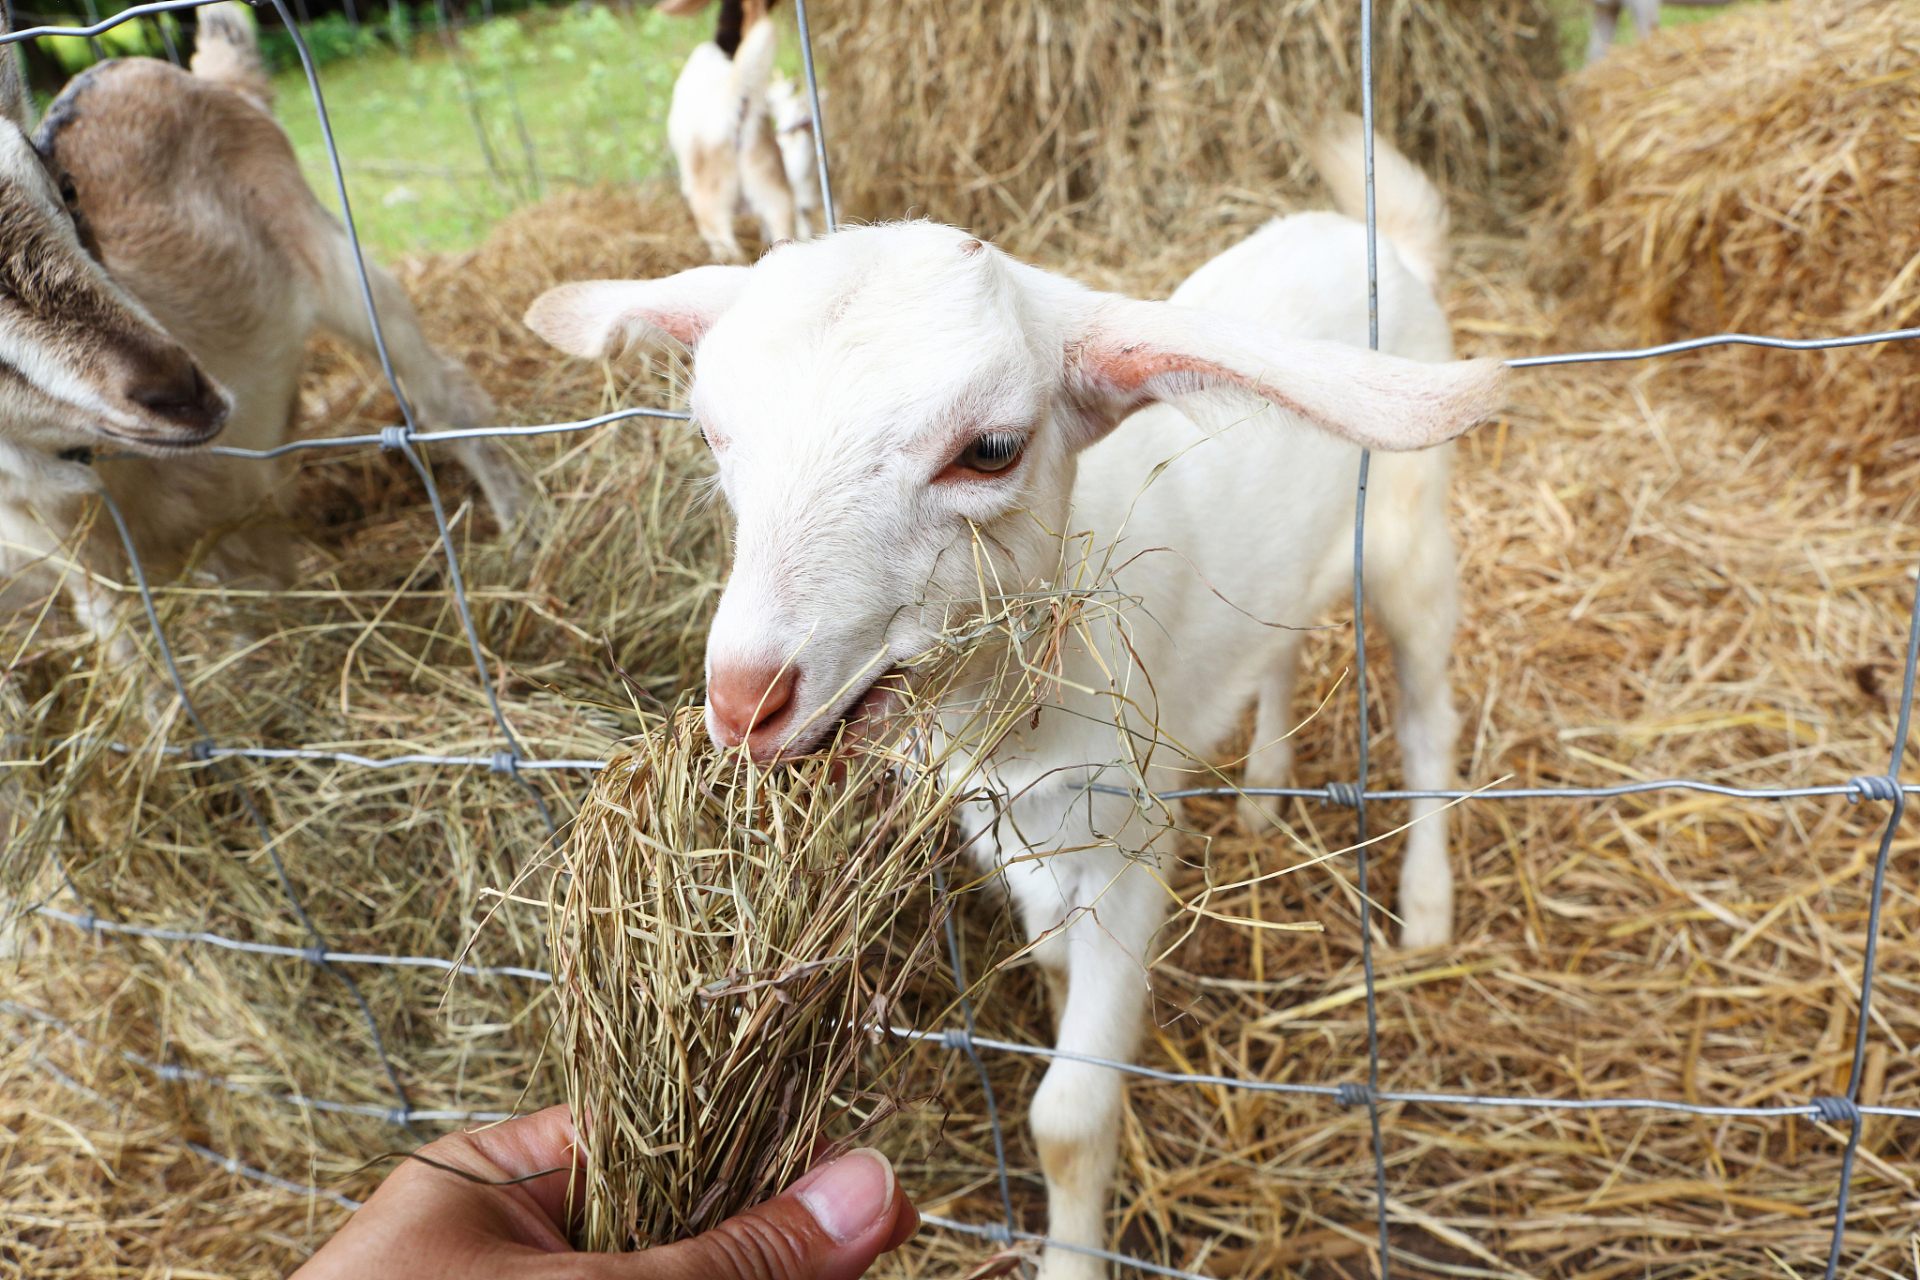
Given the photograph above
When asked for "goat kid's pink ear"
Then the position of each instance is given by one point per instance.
(600, 318)
(1131, 354)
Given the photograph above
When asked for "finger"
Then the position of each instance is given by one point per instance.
(527, 1144)
(830, 1225)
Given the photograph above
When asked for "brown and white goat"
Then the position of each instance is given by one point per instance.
(162, 264)
(720, 132)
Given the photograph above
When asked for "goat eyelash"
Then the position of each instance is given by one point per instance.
(992, 453)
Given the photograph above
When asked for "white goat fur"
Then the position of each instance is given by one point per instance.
(723, 141)
(835, 378)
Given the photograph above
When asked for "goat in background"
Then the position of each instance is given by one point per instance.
(720, 132)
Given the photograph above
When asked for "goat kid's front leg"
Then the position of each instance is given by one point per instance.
(1093, 914)
(443, 394)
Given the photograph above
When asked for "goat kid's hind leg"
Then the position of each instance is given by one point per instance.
(1098, 913)
(1413, 587)
(443, 394)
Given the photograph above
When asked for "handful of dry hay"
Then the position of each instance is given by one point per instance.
(729, 942)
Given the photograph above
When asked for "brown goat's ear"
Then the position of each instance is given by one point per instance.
(600, 318)
(1130, 354)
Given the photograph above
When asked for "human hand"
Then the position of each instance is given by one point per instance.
(427, 1224)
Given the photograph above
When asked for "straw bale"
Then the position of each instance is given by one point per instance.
(1757, 173)
(1062, 126)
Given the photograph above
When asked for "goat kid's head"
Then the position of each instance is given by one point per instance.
(82, 363)
(895, 413)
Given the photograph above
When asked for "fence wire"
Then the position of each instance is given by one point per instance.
(1829, 1112)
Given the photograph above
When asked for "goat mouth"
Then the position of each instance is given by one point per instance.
(862, 725)
(162, 444)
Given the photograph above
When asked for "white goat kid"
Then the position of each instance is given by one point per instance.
(166, 263)
(893, 406)
(720, 134)
(793, 130)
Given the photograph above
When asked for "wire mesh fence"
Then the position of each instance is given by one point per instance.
(1842, 1113)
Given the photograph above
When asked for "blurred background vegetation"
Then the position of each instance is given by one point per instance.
(451, 114)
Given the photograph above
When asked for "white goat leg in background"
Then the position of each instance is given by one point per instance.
(894, 407)
(793, 129)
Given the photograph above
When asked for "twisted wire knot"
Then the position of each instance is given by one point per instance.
(1837, 1110)
(1344, 793)
(88, 921)
(315, 954)
(999, 1233)
(167, 1071)
(398, 1116)
(504, 762)
(1870, 786)
(394, 437)
(957, 1038)
(1354, 1095)
(200, 752)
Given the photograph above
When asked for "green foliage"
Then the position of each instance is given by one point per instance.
(140, 37)
(329, 39)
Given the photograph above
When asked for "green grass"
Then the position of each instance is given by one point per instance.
(438, 146)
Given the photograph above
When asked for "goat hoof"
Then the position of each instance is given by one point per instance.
(1426, 929)
(1058, 1264)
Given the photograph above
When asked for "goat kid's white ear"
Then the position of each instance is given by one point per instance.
(1130, 354)
(600, 318)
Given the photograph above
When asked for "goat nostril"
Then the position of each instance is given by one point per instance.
(744, 698)
(172, 387)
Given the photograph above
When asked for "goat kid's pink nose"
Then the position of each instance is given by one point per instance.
(744, 698)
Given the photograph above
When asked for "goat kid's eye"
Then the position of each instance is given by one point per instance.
(988, 455)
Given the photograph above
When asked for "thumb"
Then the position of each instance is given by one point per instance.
(830, 1225)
